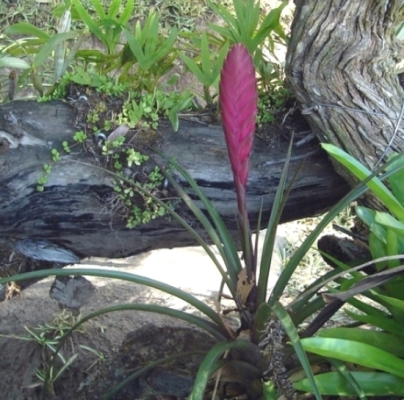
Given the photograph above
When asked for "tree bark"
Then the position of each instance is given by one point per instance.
(78, 209)
(340, 66)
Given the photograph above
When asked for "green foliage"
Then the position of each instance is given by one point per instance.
(146, 110)
(80, 137)
(55, 155)
(207, 65)
(386, 237)
(375, 350)
(271, 104)
(40, 48)
(245, 27)
(108, 25)
(141, 207)
(151, 52)
(48, 336)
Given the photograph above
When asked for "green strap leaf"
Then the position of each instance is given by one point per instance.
(371, 383)
(361, 172)
(290, 329)
(355, 352)
(382, 340)
(209, 365)
(125, 276)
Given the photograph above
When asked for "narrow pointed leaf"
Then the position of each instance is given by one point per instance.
(209, 363)
(396, 180)
(385, 341)
(127, 12)
(355, 352)
(372, 384)
(361, 172)
(25, 28)
(291, 331)
(125, 276)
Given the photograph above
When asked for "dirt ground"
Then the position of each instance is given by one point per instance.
(189, 269)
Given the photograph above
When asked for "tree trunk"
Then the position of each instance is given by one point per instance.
(78, 208)
(340, 66)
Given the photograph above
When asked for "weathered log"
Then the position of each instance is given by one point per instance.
(77, 210)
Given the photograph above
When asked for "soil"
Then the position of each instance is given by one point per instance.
(189, 269)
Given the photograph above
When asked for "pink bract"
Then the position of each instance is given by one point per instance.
(238, 105)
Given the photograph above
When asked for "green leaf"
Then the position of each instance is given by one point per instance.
(195, 69)
(127, 11)
(397, 178)
(347, 375)
(218, 63)
(209, 365)
(220, 237)
(151, 29)
(271, 21)
(378, 249)
(247, 16)
(355, 352)
(205, 55)
(391, 300)
(389, 221)
(297, 343)
(99, 9)
(372, 384)
(392, 246)
(134, 45)
(385, 341)
(50, 46)
(361, 172)
(225, 33)
(24, 28)
(223, 13)
(14, 62)
(382, 322)
(270, 236)
(124, 276)
(306, 245)
(65, 365)
(113, 10)
(90, 23)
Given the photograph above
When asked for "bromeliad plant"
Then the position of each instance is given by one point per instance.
(238, 353)
(378, 355)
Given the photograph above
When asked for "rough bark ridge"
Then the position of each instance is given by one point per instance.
(340, 66)
(78, 210)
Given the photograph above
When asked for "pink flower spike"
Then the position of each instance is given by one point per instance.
(238, 104)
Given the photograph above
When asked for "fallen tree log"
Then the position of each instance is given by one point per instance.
(77, 208)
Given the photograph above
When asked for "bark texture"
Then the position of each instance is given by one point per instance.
(78, 209)
(340, 66)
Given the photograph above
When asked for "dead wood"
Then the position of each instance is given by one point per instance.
(78, 208)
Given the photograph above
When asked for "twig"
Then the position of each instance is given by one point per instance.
(392, 138)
